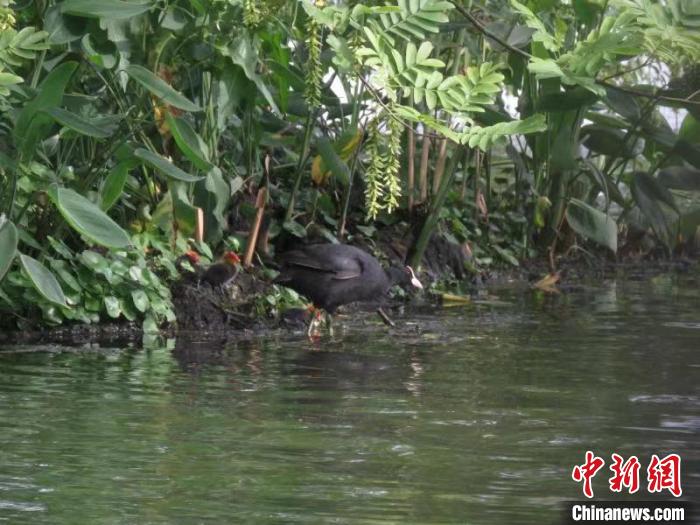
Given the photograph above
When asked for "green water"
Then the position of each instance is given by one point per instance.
(469, 415)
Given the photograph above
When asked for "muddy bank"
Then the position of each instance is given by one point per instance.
(240, 310)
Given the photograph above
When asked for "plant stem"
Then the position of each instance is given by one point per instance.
(411, 169)
(423, 173)
(311, 118)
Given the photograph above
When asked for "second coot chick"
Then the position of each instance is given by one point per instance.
(222, 273)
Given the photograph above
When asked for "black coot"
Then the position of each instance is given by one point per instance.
(331, 275)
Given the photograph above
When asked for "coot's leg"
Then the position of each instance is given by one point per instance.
(329, 322)
(315, 320)
(387, 320)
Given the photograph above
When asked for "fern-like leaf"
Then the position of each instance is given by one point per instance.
(413, 20)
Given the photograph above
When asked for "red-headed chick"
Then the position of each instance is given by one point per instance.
(222, 273)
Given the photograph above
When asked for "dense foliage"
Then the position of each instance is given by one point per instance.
(504, 126)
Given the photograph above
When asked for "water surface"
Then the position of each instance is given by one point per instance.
(474, 415)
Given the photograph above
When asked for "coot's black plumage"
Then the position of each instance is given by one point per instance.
(331, 275)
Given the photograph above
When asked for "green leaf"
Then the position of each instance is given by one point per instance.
(150, 326)
(114, 184)
(165, 166)
(43, 280)
(612, 142)
(160, 88)
(87, 219)
(76, 123)
(333, 161)
(242, 53)
(109, 9)
(213, 195)
(649, 195)
(295, 229)
(570, 99)
(592, 224)
(32, 124)
(112, 306)
(680, 178)
(189, 142)
(140, 299)
(8, 247)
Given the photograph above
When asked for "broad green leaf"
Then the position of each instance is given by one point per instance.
(213, 195)
(242, 53)
(165, 166)
(689, 224)
(649, 195)
(690, 129)
(612, 142)
(114, 184)
(76, 123)
(652, 189)
(108, 9)
(333, 162)
(592, 224)
(184, 213)
(295, 229)
(32, 124)
(87, 219)
(623, 104)
(63, 28)
(680, 178)
(43, 280)
(8, 247)
(140, 299)
(160, 88)
(575, 98)
(112, 306)
(189, 142)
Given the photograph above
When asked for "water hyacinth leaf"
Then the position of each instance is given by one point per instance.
(8, 247)
(87, 219)
(160, 88)
(189, 142)
(165, 166)
(76, 123)
(43, 280)
(109, 9)
(592, 224)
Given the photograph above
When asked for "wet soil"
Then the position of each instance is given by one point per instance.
(238, 310)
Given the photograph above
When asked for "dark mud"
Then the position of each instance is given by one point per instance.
(204, 312)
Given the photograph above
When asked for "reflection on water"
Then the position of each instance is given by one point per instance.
(473, 415)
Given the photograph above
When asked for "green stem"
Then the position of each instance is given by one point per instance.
(300, 165)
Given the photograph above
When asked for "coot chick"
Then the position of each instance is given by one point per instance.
(222, 273)
(332, 275)
(188, 267)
